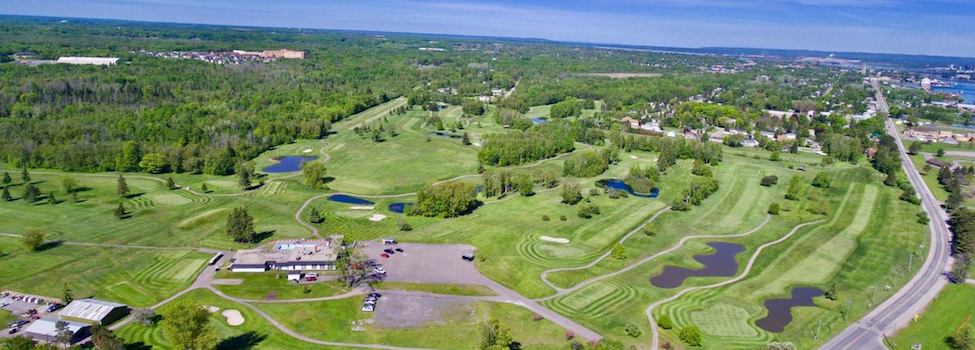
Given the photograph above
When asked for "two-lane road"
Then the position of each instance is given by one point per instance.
(896, 312)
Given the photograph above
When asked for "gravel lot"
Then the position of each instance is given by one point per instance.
(425, 263)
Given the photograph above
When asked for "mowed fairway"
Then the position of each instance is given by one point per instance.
(137, 277)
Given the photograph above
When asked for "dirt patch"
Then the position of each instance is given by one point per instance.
(227, 282)
(410, 311)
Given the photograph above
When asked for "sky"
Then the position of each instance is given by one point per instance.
(932, 27)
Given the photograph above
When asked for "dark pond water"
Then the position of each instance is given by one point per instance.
(720, 263)
(399, 207)
(287, 164)
(780, 310)
(343, 198)
(446, 134)
(619, 185)
(538, 120)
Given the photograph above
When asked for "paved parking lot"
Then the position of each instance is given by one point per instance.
(425, 263)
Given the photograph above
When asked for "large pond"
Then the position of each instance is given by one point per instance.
(287, 164)
(720, 263)
(619, 185)
(347, 199)
(398, 207)
(780, 310)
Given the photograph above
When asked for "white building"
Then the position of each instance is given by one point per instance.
(98, 61)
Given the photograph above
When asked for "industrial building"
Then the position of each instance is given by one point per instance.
(46, 329)
(93, 311)
(102, 61)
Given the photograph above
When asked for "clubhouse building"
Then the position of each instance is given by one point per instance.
(289, 255)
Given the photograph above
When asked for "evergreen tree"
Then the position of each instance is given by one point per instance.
(67, 296)
(51, 199)
(170, 183)
(122, 188)
(24, 175)
(103, 339)
(240, 225)
(6, 179)
(204, 188)
(119, 211)
(31, 193)
(244, 173)
(6, 195)
(314, 216)
(466, 139)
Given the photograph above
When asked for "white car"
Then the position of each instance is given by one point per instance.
(368, 307)
(379, 270)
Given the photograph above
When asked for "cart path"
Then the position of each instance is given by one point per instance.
(744, 273)
(680, 244)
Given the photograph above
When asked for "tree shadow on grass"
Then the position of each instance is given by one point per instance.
(49, 245)
(134, 195)
(138, 346)
(261, 236)
(247, 340)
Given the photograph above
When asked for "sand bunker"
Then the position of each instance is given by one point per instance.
(234, 318)
(377, 217)
(306, 150)
(213, 309)
(634, 157)
(554, 240)
(362, 207)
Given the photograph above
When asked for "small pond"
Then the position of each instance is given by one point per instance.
(538, 120)
(780, 310)
(619, 185)
(347, 199)
(287, 164)
(398, 207)
(720, 263)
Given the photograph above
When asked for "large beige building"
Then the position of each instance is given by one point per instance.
(284, 53)
(103, 61)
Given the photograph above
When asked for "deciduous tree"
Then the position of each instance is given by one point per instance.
(187, 326)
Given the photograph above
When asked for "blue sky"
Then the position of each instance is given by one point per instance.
(936, 27)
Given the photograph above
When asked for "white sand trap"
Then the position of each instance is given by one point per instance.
(362, 207)
(377, 217)
(234, 318)
(634, 157)
(213, 309)
(306, 150)
(554, 240)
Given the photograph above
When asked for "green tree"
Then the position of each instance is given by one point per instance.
(447, 199)
(17, 343)
(495, 336)
(775, 156)
(170, 183)
(63, 333)
(770, 180)
(122, 187)
(822, 180)
(154, 163)
(67, 296)
(244, 173)
(187, 326)
(773, 208)
(240, 225)
(314, 174)
(473, 107)
(314, 216)
(963, 339)
(120, 211)
(6, 179)
(914, 148)
(104, 339)
(665, 322)
(128, 157)
(795, 189)
(525, 185)
(941, 152)
(204, 188)
(33, 240)
(465, 139)
(51, 199)
(691, 335)
(24, 175)
(31, 193)
(571, 194)
(618, 252)
(6, 195)
(68, 184)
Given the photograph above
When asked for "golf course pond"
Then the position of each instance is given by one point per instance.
(780, 310)
(721, 263)
(619, 185)
(347, 199)
(287, 164)
(398, 207)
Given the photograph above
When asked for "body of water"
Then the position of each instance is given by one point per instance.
(965, 88)
(780, 310)
(619, 185)
(287, 164)
(347, 199)
(538, 120)
(446, 134)
(398, 207)
(720, 263)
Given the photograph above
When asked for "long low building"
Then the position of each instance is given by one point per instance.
(46, 329)
(98, 61)
(93, 311)
(289, 255)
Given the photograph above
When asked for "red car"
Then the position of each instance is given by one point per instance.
(384, 255)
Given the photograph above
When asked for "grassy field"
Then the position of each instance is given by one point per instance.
(930, 178)
(457, 328)
(255, 333)
(275, 286)
(136, 277)
(942, 318)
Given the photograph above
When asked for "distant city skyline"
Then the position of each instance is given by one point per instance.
(939, 27)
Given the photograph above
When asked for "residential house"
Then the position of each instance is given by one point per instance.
(633, 123)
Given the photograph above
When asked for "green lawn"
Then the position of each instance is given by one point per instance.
(457, 328)
(274, 285)
(255, 333)
(930, 178)
(949, 311)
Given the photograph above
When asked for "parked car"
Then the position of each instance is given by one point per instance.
(380, 270)
(368, 307)
(389, 251)
(384, 255)
(399, 250)
(468, 257)
(13, 330)
(388, 241)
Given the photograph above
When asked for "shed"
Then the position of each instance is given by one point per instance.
(46, 330)
(93, 311)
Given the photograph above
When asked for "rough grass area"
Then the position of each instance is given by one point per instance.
(949, 311)
(275, 286)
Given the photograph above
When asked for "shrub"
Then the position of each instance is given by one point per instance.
(562, 218)
(665, 322)
(773, 208)
(571, 194)
(822, 180)
(922, 218)
(632, 330)
(618, 252)
(588, 211)
(545, 218)
(647, 231)
(770, 180)
(691, 335)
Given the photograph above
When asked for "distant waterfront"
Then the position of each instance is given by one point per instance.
(965, 88)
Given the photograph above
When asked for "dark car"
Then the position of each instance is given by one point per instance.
(399, 250)
(468, 257)
(389, 251)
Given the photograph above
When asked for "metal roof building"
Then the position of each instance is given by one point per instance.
(93, 311)
(104, 61)
(45, 329)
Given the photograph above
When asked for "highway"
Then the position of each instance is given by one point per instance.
(869, 332)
